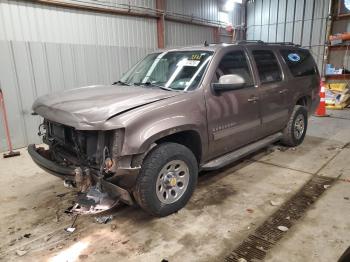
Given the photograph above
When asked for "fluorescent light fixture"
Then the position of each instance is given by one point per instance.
(230, 5)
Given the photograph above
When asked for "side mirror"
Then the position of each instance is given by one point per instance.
(228, 83)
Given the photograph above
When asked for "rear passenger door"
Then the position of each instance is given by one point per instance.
(273, 91)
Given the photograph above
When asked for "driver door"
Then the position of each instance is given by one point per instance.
(233, 115)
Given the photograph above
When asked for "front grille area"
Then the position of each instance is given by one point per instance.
(67, 142)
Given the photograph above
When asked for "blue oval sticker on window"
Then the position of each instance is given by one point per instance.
(294, 57)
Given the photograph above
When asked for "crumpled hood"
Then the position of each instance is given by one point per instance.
(88, 107)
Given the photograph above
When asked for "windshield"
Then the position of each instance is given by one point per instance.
(169, 70)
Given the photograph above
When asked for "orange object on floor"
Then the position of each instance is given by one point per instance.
(321, 110)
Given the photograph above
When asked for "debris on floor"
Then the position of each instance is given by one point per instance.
(72, 228)
(103, 219)
(21, 253)
(113, 227)
(275, 203)
(61, 195)
(249, 210)
(83, 256)
(282, 228)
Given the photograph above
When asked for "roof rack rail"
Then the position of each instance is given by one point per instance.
(265, 43)
(284, 43)
(250, 42)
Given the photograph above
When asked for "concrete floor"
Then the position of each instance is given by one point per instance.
(226, 207)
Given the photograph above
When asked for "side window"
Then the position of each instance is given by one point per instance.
(268, 68)
(236, 63)
(300, 62)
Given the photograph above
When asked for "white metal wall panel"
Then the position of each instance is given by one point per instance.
(207, 9)
(178, 34)
(14, 107)
(46, 49)
(299, 21)
(21, 21)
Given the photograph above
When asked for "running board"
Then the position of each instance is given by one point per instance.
(242, 152)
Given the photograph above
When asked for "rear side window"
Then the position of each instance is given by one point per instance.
(300, 62)
(268, 68)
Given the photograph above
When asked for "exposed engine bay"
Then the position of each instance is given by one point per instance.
(86, 160)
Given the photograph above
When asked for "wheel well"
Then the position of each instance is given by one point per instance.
(190, 139)
(304, 101)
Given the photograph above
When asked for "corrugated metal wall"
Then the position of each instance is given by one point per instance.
(198, 8)
(45, 49)
(179, 34)
(299, 21)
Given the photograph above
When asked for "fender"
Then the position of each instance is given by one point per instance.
(145, 125)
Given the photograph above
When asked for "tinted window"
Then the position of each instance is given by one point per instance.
(268, 68)
(235, 63)
(300, 62)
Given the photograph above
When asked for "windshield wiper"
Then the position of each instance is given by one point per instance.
(153, 84)
(121, 83)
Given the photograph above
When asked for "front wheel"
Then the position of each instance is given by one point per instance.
(294, 132)
(167, 179)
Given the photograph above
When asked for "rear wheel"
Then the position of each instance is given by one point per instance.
(294, 132)
(167, 179)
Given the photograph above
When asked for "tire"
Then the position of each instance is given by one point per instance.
(294, 132)
(155, 185)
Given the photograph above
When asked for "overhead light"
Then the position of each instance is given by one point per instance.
(230, 5)
(347, 4)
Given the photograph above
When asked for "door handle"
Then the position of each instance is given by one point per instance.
(253, 99)
(283, 91)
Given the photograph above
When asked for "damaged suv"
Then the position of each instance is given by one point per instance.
(145, 138)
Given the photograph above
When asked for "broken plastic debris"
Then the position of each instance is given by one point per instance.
(274, 203)
(326, 186)
(282, 228)
(70, 229)
(21, 252)
(103, 219)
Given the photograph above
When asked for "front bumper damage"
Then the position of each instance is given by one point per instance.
(96, 195)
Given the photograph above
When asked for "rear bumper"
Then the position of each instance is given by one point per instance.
(68, 173)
